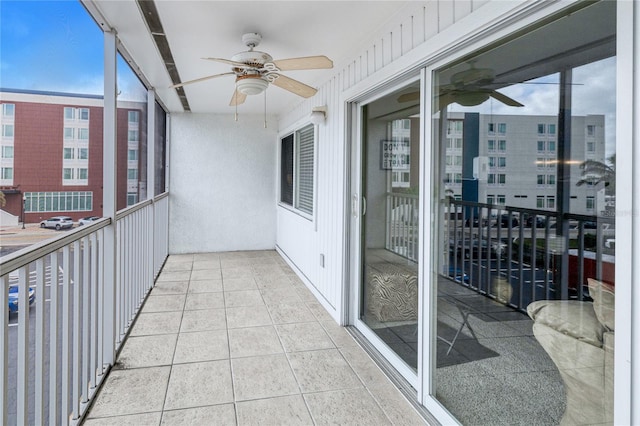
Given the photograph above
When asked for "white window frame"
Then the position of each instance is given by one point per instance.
(6, 108)
(295, 206)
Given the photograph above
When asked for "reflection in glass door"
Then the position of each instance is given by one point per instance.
(388, 302)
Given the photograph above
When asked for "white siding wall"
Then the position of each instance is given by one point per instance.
(223, 197)
(304, 241)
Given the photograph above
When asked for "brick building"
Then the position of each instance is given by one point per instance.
(51, 154)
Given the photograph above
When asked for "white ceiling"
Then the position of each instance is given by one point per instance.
(197, 29)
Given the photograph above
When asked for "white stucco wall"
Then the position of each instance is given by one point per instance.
(222, 182)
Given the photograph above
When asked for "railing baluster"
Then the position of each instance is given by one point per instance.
(75, 370)
(101, 313)
(54, 413)
(86, 253)
(93, 342)
(39, 338)
(4, 348)
(66, 298)
(23, 346)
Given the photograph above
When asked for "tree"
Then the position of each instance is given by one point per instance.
(3, 201)
(594, 172)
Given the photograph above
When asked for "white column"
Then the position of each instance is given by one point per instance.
(109, 195)
(151, 184)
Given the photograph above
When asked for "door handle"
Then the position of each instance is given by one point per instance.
(364, 206)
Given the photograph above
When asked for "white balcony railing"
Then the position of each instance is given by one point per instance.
(56, 353)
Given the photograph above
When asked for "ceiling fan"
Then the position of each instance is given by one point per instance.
(255, 70)
(467, 88)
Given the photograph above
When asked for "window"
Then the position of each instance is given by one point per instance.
(502, 145)
(490, 199)
(541, 146)
(541, 162)
(502, 162)
(591, 147)
(591, 130)
(551, 179)
(551, 202)
(502, 179)
(7, 152)
(457, 178)
(551, 146)
(133, 136)
(297, 163)
(491, 145)
(132, 155)
(67, 173)
(83, 174)
(8, 110)
(84, 114)
(491, 179)
(67, 153)
(491, 128)
(492, 162)
(83, 134)
(7, 130)
(132, 198)
(6, 173)
(58, 201)
(541, 129)
(502, 200)
(502, 128)
(540, 202)
(83, 153)
(132, 174)
(134, 116)
(551, 129)
(69, 113)
(591, 202)
(541, 180)
(69, 132)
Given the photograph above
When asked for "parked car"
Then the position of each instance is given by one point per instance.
(13, 298)
(57, 222)
(88, 220)
(458, 275)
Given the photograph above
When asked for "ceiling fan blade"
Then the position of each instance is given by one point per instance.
(504, 99)
(294, 86)
(237, 98)
(229, 61)
(306, 63)
(408, 97)
(200, 79)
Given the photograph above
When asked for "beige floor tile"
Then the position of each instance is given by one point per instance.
(262, 377)
(203, 320)
(304, 336)
(306, 295)
(239, 284)
(338, 334)
(345, 407)
(323, 370)
(204, 301)
(205, 274)
(201, 346)
(290, 312)
(234, 299)
(274, 281)
(248, 316)
(174, 276)
(180, 257)
(395, 406)
(319, 311)
(206, 264)
(157, 323)
(205, 286)
(139, 390)
(239, 262)
(170, 287)
(253, 341)
(364, 367)
(223, 414)
(284, 410)
(147, 351)
(239, 272)
(186, 265)
(164, 303)
(206, 256)
(199, 384)
(147, 419)
(273, 296)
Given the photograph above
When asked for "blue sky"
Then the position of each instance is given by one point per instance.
(50, 45)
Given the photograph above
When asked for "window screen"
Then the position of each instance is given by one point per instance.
(305, 158)
(286, 171)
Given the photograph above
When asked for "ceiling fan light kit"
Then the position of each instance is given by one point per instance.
(255, 70)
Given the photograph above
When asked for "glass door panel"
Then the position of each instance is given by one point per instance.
(388, 303)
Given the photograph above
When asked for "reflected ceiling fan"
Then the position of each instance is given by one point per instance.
(467, 88)
(255, 70)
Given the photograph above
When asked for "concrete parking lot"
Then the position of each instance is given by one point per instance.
(15, 238)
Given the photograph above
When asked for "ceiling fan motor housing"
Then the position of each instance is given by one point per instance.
(252, 58)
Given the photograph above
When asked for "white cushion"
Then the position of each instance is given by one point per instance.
(570, 317)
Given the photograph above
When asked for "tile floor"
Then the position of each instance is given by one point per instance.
(237, 338)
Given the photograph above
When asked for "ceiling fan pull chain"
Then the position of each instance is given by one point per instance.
(235, 96)
(265, 109)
